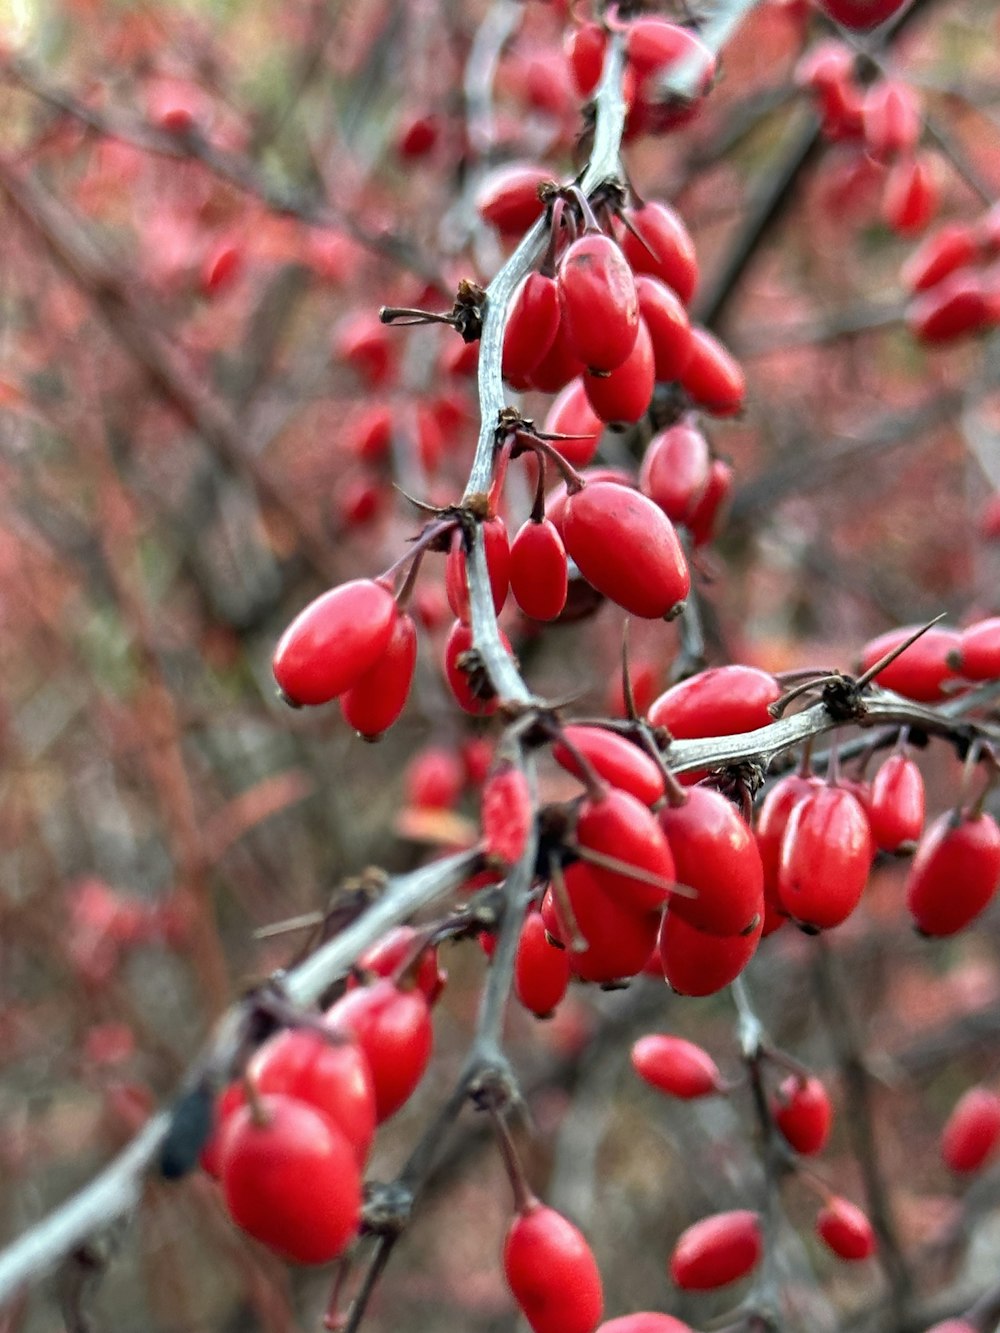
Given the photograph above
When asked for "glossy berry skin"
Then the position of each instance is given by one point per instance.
(624, 394)
(330, 645)
(896, 805)
(497, 562)
(507, 814)
(675, 470)
(552, 1272)
(626, 548)
(772, 821)
(541, 971)
(922, 671)
(619, 940)
(713, 377)
(334, 1078)
(845, 1229)
(954, 874)
(227, 1104)
(598, 301)
(393, 1029)
(645, 1322)
(620, 826)
(584, 47)
(714, 853)
(668, 325)
(539, 577)
(614, 758)
(826, 854)
(972, 1131)
(558, 366)
(694, 962)
(508, 198)
(571, 414)
(804, 1114)
(387, 956)
(978, 654)
(668, 252)
(531, 328)
(292, 1183)
(718, 702)
(717, 1250)
(469, 688)
(375, 702)
(860, 14)
(706, 518)
(675, 1066)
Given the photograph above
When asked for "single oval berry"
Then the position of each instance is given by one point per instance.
(364, 343)
(559, 366)
(911, 196)
(705, 519)
(891, 116)
(846, 1230)
(618, 939)
(539, 577)
(375, 701)
(619, 827)
(953, 246)
(804, 1114)
(718, 702)
(571, 414)
(624, 393)
(332, 1077)
(956, 307)
(676, 1067)
(955, 873)
(978, 653)
(614, 758)
(669, 327)
(552, 1273)
(695, 962)
(584, 48)
(393, 1029)
(466, 675)
(923, 670)
(497, 563)
(508, 198)
(657, 242)
(292, 1180)
(598, 300)
(772, 821)
(675, 470)
(330, 645)
(717, 1250)
(541, 970)
(826, 854)
(713, 377)
(507, 814)
(716, 855)
(654, 45)
(388, 956)
(896, 804)
(434, 778)
(532, 325)
(972, 1131)
(626, 547)
(860, 14)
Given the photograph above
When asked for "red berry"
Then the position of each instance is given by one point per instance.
(713, 377)
(716, 855)
(654, 45)
(223, 265)
(620, 827)
(920, 672)
(626, 547)
(625, 393)
(954, 874)
(291, 1182)
(532, 325)
(661, 246)
(669, 327)
(972, 1131)
(614, 758)
(957, 306)
(508, 198)
(332, 643)
(558, 366)
(334, 1078)
(951, 247)
(387, 956)
(677, 1067)
(374, 703)
(718, 702)
(507, 814)
(571, 414)
(584, 47)
(393, 1029)
(979, 650)
(467, 678)
(704, 520)
(434, 779)
(896, 805)
(860, 14)
(717, 1250)
(675, 470)
(911, 195)
(368, 346)
(891, 116)
(369, 434)
(619, 940)
(497, 563)
(803, 1113)
(695, 962)
(541, 970)
(226, 1104)
(845, 1229)
(538, 570)
(772, 821)
(552, 1273)
(826, 854)
(598, 300)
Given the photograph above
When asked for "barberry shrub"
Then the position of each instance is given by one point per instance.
(502, 642)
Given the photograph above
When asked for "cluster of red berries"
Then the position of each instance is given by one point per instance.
(291, 1139)
(953, 280)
